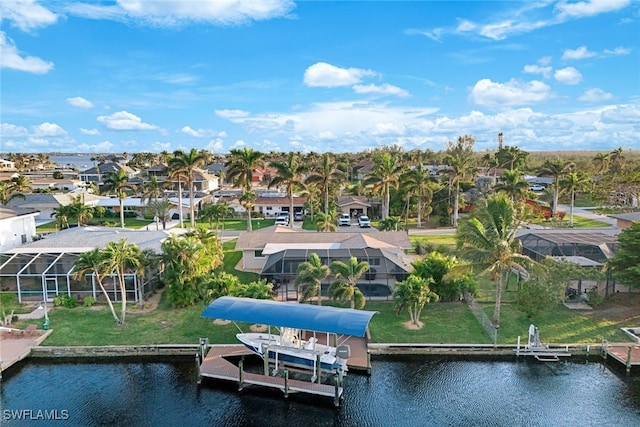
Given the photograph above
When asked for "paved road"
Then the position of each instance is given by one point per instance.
(588, 213)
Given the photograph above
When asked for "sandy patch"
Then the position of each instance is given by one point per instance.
(221, 322)
(258, 328)
(411, 325)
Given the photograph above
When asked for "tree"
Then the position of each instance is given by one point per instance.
(413, 294)
(460, 161)
(513, 185)
(63, 215)
(81, 212)
(488, 241)
(248, 201)
(556, 169)
(328, 174)
(384, 175)
(216, 212)
(326, 222)
(14, 189)
(93, 263)
(187, 163)
(312, 273)
(240, 167)
(345, 288)
(390, 223)
(290, 176)
(119, 183)
(511, 157)
(161, 210)
(573, 183)
(436, 268)
(625, 263)
(120, 258)
(419, 182)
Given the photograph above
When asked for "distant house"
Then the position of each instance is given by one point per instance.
(271, 204)
(17, 227)
(97, 174)
(359, 205)
(45, 203)
(6, 165)
(624, 220)
(276, 252)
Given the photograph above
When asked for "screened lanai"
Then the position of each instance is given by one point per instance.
(593, 245)
(42, 276)
(385, 268)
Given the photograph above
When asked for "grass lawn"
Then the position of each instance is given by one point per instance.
(447, 241)
(237, 224)
(578, 222)
(133, 223)
(231, 259)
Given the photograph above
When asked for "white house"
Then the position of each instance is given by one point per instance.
(17, 226)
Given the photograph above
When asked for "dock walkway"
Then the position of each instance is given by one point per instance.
(627, 354)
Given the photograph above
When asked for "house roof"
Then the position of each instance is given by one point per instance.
(333, 320)
(352, 201)
(6, 212)
(301, 239)
(51, 200)
(106, 168)
(629, 216)
(84, 239)
(279, 200)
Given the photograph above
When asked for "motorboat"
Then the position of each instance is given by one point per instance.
(289, 348)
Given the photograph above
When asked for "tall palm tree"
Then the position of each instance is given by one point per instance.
(556, 169)
(601, 163)
(572, 183)
(63, 214)
(461, 165)
(178, 174)
(248, 200)
(92, 262)
(119, 183)
(511, 157)
(312, 272)
(345, 288)
(241, 163)
(513, 185)
(14, 189)
(488, 241)
(420, 183)
(325, 223)
(160, 209)
(289, 174)
(327, 174)
(120, 258)
(188, 163)
(384, 175)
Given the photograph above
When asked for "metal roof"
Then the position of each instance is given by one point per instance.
(334, 320)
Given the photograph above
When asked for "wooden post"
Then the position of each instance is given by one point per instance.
(199, 378)
(629, 359)
(368, 363)
(241, 374)
(286, 383)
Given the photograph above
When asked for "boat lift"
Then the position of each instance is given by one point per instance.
(539, 351)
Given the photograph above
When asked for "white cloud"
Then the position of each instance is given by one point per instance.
(201, 133)
(231, 114)
(90, 131)
(384, 89)
(79, 102)
(589, 8)
(568, 76)
(8, 130)
(618, 51)
(48, 129)
(10, 58)
(191, 132)
(180, 12)
(215, 145)
(580, 53)
(26, 14)
(512, 93)
(322, 74)
(124, 120)
(101, 147)
(595, 95)
(537, 69)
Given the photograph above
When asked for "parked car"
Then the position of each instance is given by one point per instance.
(298, 216)
(282, 218)
(536, 187)
(344, 219)
(364, 222)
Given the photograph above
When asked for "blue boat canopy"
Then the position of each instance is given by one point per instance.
(334, 320)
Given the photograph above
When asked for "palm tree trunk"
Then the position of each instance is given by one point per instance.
(121, 212)
(123, 294)
(109, 303)
(249, 224)
(180, 202)
(496, 310)
(419, 220)
(556, 190)
(571, 208)
(456, 201)
(191, 207)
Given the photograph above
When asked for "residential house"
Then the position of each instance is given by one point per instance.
(359, 205)
(96, 175)
(17, 226)
(624, 220)
(46, 203)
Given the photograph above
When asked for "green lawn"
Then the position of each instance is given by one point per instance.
(133, 223)
(237, 224)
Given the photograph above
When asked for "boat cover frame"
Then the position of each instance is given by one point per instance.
(333, 320)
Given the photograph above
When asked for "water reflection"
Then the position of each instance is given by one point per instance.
(406, 391)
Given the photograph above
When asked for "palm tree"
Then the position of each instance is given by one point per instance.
(188, 163)
(511, 157)
(216, 212)
(119, 183)
(312, 273)
(345, 288)
(461, 166)
(488, 241)
(384, 176)
(390, 223)
(80, 211)
(419, 182)
(161, 209)
(14, 189)
(248, 200)
(573, 183)
(328, 174)
(240, 167)
(176, 173)
(63, 214)
(92, 262)
(601, 163)
(120, 258)
(326, 222)
(556, 169)
(413, 294)
(290, 175)
(512, 185)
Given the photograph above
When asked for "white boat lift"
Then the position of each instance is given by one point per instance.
(541, 352)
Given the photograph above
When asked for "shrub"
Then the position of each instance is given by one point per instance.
(89, 301)
(65, 301)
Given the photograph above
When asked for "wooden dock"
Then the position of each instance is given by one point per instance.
(216, 366)
(627, 354)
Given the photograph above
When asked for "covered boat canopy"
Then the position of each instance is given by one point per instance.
(334, 320)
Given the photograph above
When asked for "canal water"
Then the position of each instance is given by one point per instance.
(405, 391)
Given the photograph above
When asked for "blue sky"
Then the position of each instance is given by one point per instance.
(279, 75)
